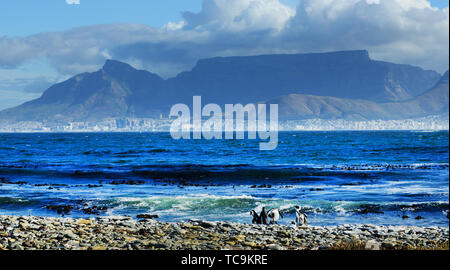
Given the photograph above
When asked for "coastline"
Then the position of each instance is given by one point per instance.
(125, 233)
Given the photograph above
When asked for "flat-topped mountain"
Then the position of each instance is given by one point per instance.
(347, 74)
(331, 82)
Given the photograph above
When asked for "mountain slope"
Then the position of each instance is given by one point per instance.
(435, 101)
(299, 106)
(117, 90)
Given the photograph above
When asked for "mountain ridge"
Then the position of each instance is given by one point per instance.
(434, 101)
(119, 90)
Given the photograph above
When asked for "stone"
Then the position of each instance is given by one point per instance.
(99, 248)
(274, 247)
(125, 233)
(373, 245)
(84, 221)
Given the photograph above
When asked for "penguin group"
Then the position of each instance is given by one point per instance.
(262, 218)
(275, 214)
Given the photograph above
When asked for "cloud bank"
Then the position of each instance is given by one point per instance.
(73, 2)
(402, 31)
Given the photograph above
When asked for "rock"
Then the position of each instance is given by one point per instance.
(69, 234)
(146, 216)
(60, 209)
(84, 221)
(274, 247)
(188, 225)
(24, 225)
(366, 209)
(16, 246)
(207, 224)
(28, 243)
(94, 210)
(387, 246)
(125, 233)
(238, 238)
(373, 245)
(99, 248)
(283, 234)
(181, 231)
(250, 244)
(127, 182)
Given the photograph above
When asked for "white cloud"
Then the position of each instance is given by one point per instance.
(406, 31)
(174, 26)
(403, 31)
(73, 2)
(239, 15)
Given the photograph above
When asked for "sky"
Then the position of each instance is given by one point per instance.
(44, 42)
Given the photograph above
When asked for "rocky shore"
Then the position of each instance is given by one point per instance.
(29, 233)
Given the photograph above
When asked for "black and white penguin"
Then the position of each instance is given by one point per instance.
(274, 215)
(300, 217)
(263, 216)
(256, 218)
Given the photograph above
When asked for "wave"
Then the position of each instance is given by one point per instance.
(7, 148)
(192, 173)
(17, 202)
(207, 204)
(198, 203)
(97, 152)
(217, 207)
(127, 153)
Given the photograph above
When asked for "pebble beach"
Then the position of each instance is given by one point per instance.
(125, 233)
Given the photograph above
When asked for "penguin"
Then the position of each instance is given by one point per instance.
(274, 215)
(300, 218)
(256, 218)
(263, 216)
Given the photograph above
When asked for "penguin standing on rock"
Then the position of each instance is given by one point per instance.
(300, 218)
(274, 215)
(256, 218)
(263, 216)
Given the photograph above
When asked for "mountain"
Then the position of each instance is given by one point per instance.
(435, 101)
(347, 74)
(116, 90)
(337, 83)
(300, 106)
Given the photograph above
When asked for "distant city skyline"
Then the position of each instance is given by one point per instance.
(44, 42)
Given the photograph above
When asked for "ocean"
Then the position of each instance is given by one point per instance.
(337, 177)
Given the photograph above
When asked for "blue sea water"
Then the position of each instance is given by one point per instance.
(338, 177)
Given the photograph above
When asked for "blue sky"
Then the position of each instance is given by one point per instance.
(25, 17)
(46, 41)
